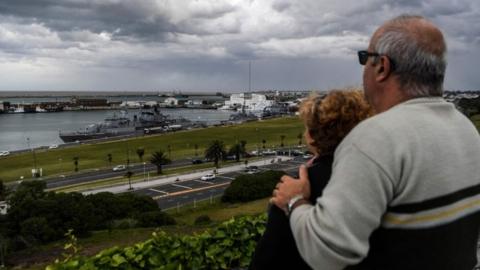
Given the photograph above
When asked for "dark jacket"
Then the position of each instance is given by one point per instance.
(277, 249)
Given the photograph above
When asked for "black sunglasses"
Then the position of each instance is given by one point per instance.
(363, 57)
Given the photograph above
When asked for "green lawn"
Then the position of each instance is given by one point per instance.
(60, 161)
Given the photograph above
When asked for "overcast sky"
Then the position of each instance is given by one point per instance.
(166, 45)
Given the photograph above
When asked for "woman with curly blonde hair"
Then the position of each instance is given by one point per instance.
(327, 119)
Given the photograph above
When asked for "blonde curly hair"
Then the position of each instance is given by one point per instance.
(329, 119)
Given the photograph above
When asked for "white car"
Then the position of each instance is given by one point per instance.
(269, 152)
(119, 168)
(4, 153)
(208, 177)
(53, 146)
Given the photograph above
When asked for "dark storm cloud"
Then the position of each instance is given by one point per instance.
(181, 43)
(135, 19)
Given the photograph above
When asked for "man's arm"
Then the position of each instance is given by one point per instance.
(334, 233)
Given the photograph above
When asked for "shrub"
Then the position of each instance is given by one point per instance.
(126, 223)
(37, 229)
(251, 187)
(155, 218)
(203, 220)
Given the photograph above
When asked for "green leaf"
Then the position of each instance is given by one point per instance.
(117, 260)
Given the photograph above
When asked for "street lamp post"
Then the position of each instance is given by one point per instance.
(144, 163)
(128, 168)
(34, 158)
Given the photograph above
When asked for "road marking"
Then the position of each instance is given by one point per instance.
(226, 177)
(191, 190)
(180, 186)
(203, 182)
(159, 191)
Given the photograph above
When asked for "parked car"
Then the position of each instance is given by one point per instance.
(254, 153)
(53, 146)
(297, 153)
(197, 161)
(251, 169)
(119, 168)
(269, 152)
(4, 153)
(208, 177)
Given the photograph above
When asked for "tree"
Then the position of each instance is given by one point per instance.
(215, 151)
(27, 190)
(169, 149)
(299, 137)
(243, 143)
(129, 174)
(282, 137)
(263, 143)
(237, 150)
(159, 159)
(140, 153)
(75, 163)
(196, 149)
(109, 158)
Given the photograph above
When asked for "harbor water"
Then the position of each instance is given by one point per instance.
(26, 130)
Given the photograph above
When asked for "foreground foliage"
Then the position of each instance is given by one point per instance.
(229, 245)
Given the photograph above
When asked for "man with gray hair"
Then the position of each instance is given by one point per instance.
(405, 186)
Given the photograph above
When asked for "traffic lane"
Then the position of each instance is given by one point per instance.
(102, 174)
(190, 197)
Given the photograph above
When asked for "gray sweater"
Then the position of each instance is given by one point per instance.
(412, 169)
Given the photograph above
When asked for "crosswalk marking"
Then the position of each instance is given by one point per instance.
(159, 191)
(180, 186)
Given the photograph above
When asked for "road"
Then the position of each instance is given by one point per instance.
(171, 195)
(108, 173)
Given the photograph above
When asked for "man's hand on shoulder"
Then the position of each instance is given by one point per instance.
(289, 187)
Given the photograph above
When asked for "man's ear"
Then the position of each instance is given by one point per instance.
(383, 69)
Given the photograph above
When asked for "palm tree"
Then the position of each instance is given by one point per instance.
(129, 174)
(215, 151)
(282, 137)
(237, 150)
(299, 137)
(243, 143)
(75, 163)
(109, 158)
(159, 159)
(140, 153)
(263, 143)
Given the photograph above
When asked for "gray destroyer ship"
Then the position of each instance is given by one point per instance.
(122, 125)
